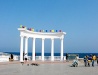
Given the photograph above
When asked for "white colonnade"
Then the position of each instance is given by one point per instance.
(25, 34)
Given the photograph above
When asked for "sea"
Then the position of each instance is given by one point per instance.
(81, 55)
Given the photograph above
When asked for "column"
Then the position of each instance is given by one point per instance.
(61, 49)
(26, 46)
(21, 49)
(43, 49)
(52, 49)
(33, 50)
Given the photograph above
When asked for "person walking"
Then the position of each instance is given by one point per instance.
(93, 59)
(89, 60)
(85, 61)
(66, 57)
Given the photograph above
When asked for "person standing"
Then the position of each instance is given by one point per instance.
(12, 56)
(97, 59)
(89, 60)
(66, 56)
(77, 57)
(26, 58)
(85, 61)
(93, 59)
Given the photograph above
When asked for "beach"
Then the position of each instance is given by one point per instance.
(46, 68)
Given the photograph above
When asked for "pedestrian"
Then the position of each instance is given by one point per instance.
(11, 57)
(66, 56)
(85, 61)
(89, 60)
(26, 58)
(97, 59)
(77, 57)
(93, 59)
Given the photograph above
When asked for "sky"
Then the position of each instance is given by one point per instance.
(78, 18)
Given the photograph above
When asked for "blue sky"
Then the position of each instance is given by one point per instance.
(78, 18)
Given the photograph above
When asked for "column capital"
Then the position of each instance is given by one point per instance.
(33, 38)
(26, 37)
(43, 38)
(61, 38)
(21, 36)
(52, 38)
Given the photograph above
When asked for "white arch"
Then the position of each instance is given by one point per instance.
(24, 33)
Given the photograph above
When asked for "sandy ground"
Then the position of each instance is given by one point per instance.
(46, 68)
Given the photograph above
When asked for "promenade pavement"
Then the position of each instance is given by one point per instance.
(46, 68)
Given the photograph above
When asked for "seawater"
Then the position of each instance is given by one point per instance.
(81, 55)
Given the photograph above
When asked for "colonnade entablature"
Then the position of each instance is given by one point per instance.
(28, 33)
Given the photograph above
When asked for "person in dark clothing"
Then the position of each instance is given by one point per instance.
(11, 56)
(85, 61)
(93, 60)
(66, 56)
